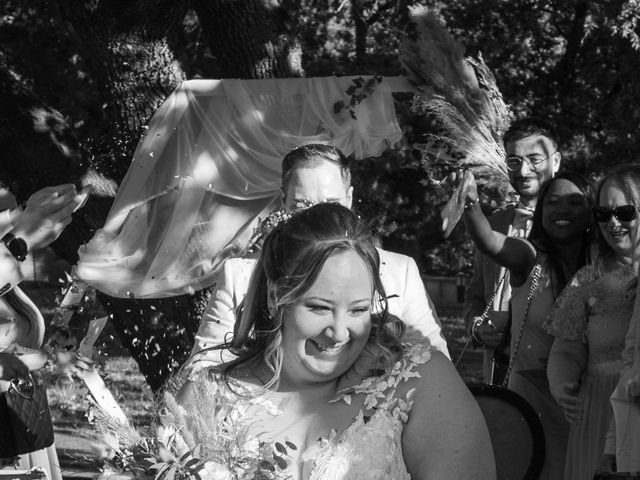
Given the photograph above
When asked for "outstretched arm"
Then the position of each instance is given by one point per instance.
(516, 254)
(446, 435)
(46, 214)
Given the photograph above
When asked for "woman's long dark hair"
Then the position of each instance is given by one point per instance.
(544, 244)
(292, 256)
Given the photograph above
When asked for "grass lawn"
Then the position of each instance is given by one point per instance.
(70, 401)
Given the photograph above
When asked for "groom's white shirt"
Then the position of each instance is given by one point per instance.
(407, 300)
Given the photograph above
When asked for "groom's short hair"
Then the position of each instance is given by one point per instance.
(312, 155)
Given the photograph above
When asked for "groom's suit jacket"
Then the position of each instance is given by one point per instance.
(407, 300)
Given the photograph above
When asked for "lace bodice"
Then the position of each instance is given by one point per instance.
(370, 446)
(595, 311)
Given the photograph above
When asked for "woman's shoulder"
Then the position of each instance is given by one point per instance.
(403, 375)
(584, 275)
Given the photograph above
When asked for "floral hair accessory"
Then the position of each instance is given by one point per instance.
(275, 218)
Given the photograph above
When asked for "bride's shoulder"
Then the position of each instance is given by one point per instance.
(401, 377)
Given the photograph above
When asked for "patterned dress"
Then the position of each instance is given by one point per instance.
(595, 311)
(369, 448)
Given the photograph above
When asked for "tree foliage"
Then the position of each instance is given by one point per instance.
(81, 78)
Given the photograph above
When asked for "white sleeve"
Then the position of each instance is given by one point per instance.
(10, 273)
(5, 222)
(217, 322)
(418, 311)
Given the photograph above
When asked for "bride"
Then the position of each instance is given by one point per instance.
(328, 387)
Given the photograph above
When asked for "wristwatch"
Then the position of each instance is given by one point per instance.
(16, 246)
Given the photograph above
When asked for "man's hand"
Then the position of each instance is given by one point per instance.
(46, 214)
(567, 395)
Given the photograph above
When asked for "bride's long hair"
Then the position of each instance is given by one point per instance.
(292, 256)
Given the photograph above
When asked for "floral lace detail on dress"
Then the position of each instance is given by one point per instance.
(568, 317)
(370, 448)
(596, 311)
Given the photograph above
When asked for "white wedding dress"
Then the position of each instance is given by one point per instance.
(368, 448)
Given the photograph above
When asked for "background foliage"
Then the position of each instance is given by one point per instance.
(81, 78)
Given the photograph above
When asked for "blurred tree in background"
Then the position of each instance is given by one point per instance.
(81, 78)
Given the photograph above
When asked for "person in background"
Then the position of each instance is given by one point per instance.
(625, 400)
(590, 320)
(316, 173)
(532, 159)
(23, 229)
(540, 267)
(315, 366)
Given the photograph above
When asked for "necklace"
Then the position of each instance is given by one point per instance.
(534, 284)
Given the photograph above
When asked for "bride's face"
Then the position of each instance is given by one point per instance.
(326, 330)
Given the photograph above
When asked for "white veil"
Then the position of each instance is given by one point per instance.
(209, 168)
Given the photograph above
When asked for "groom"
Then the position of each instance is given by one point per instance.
(316, 173)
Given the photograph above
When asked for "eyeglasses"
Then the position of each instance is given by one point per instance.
(514, 162)
(624, 213)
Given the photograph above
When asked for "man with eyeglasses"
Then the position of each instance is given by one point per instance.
(532, 158)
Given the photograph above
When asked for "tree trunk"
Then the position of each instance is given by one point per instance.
(119, 73)
(566, 70)
(361, 29)
(248, 38)
(136, 73)
(243, 36)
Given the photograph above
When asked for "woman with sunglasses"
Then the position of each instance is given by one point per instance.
(589, 322)
(539, 267)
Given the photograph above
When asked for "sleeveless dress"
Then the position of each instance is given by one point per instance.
(369, 448)
(595, 311)
(529, 374)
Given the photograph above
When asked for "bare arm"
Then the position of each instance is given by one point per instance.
(567, 362)
(10, 273)
(46, 214)
(446, 435)
(516, 254)
(474, 301)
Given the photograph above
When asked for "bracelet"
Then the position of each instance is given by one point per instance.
(472, 204)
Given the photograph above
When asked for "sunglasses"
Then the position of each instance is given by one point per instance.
(624, 213)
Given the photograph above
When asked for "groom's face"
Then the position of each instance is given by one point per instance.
(320, 183)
